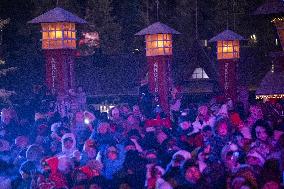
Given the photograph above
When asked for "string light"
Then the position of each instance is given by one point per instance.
(277, 19)
(274, 96)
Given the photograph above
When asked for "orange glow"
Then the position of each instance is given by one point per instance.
(228, 49)
(158, 44)
(58, 35)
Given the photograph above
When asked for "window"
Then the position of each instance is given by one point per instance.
(58, 35)
(228, 49)
(158, 44)
(199, 73)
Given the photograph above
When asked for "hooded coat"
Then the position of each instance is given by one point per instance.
(65, 151)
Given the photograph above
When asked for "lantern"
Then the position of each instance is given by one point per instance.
(159, 51)
(228, 54)
(58, 28)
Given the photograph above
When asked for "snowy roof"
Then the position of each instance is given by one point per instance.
(271, 84)
(57, 15)
(157, 28)
(270, 7)
(226, 36)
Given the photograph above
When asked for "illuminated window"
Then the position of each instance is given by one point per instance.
(58, 35)
(158, 44)
(199, 73)
(228, 49)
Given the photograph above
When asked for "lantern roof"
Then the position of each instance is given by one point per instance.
(226, 35)
(157, 28)
(57, 15)
(271, 84)
(270, 7)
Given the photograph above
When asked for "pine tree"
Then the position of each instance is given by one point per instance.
(99, 14)
(129, 18)
(183, 21)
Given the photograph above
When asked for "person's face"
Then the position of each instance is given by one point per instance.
(21, 142)
(192, 174)
(68, 143)
(131, 119)
(185, 125)
(277, 134)
(103, 128)
(251, 160)
(207, 134)
(241, 141)
(112, 155)
(125, 109)
(223, 129)
(115, 113)
(79, 117)
(203, 110)
(92, 152)
(261, 133)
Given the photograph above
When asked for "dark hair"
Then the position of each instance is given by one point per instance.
(263, 124)
(219, 122)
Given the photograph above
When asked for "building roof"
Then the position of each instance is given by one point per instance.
(157, 28)
(226, 36)
(271, 84)
(270, 7)
(57, 15)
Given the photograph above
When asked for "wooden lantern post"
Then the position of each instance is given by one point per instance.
(228, 54)
(58, 28)
(159, 51)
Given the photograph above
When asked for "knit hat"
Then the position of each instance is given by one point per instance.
(52, 163)
(87, 171)
(95, 165)
(257, 155)
(235, 118)
(34, 152)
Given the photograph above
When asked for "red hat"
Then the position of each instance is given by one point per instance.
(87, 171)
(235, 118)
(53, 163)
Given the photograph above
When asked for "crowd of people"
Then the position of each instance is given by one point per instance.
(214, 145)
